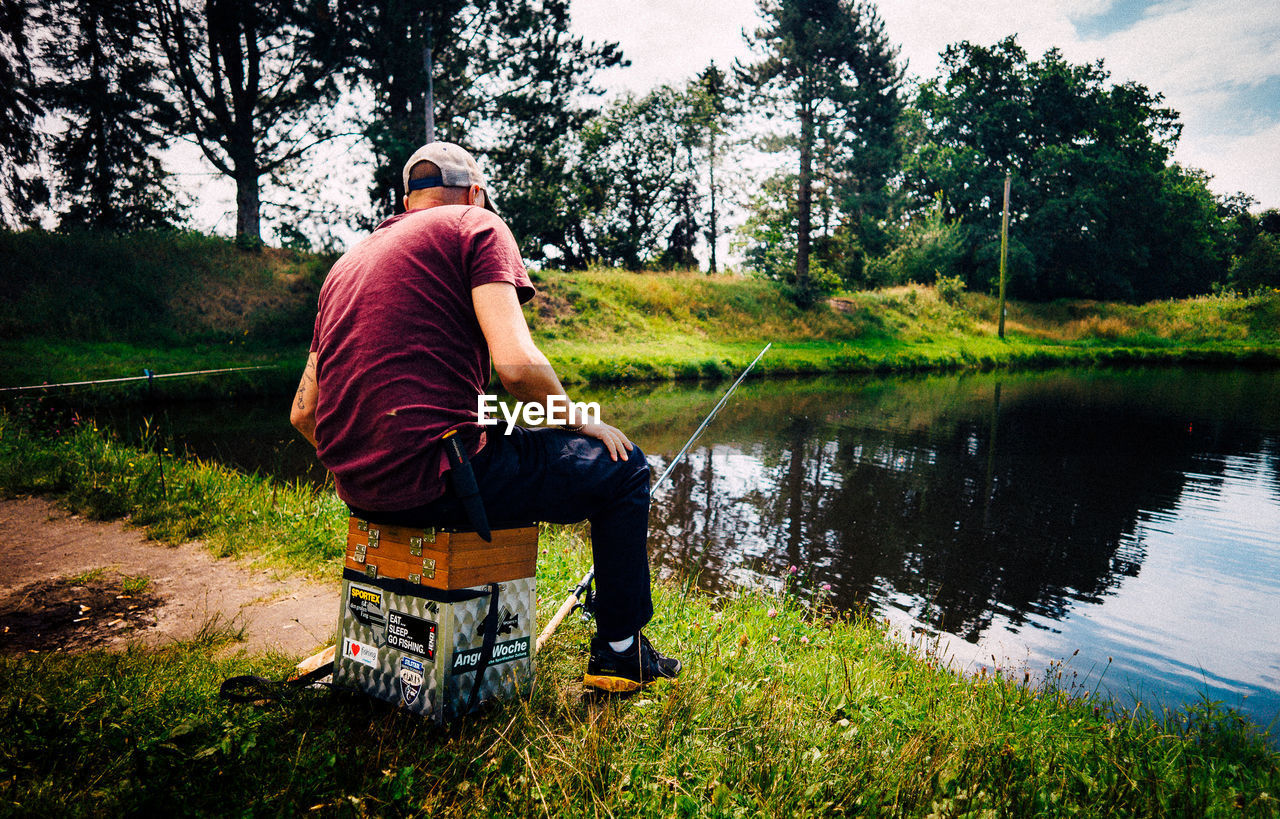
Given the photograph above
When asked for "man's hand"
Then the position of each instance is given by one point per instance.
(617, 441)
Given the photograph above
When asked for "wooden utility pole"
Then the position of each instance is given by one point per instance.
(431, 101)
(1004, 249)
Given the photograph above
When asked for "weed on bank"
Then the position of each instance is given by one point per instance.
(784, 707)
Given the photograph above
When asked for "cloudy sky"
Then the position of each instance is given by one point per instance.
(1216, 61)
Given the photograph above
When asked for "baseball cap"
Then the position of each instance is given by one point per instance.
(458, 169)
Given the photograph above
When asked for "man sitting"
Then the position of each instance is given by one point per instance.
(409, 322)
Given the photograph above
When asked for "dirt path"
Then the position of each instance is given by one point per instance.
(68, 583)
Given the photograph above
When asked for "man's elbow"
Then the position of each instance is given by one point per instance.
(522, 380)
(528, 370)
(305, 423)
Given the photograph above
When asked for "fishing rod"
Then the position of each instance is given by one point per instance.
(573, 600)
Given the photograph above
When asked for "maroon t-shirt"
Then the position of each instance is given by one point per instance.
(400, 354)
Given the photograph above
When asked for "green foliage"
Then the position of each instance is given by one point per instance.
(1097, 208)
(634, 177)
(1259, 265)
(931, 249)
(257, 81)
(19, 110)
(950, 289)
(508, 80)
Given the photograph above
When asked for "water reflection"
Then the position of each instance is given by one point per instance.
(1014, 510)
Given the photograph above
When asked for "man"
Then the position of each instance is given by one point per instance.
(410, 321)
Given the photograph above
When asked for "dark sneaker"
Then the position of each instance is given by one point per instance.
(630, 670)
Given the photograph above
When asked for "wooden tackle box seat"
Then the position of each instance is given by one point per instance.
(441, 558)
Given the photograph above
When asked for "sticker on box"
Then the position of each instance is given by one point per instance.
(411, 634)
(365, 604)
(464, 661)
(411, 678)
(508, 621)
(362, 653)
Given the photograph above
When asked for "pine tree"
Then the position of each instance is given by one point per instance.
(103, 85)
(19, 109)
(828, 66)
(710, 98)
(508, 78)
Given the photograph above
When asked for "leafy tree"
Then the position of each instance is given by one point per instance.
(1255, 244)
(537, 111)
(828, 68)
(19, 110)
(102, 84)
(252, 75)
(1096, 206)
(632, 173)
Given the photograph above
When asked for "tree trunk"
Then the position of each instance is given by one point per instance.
(248, 216)
(713, 232)
(804, 198)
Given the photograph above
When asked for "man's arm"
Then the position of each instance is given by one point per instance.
(303, 412)
(521, 366)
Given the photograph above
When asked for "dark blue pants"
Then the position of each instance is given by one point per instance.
(562, 477)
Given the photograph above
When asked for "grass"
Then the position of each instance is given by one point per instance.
(209, 305)
(155, 286)
(692, 326)
(784, 708)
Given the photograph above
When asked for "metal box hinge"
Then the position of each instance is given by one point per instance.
(373, 538)
(416, 542)
(429, 567)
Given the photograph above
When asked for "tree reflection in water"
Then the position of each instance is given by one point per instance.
(955, 499)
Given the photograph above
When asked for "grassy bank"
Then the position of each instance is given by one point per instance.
(89, 306)
(608, 326)
(783, 709)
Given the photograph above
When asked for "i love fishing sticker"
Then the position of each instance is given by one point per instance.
(362, 653)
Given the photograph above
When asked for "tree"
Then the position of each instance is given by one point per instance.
(827, 65)
(709, 99)
(19, 110)
(102, 84)
(508, 77)
(251, 75)
(1097, 210)
(632, 174)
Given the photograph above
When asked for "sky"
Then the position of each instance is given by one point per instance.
(1216, 61)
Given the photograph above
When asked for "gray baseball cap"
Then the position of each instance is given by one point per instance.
(458, 169)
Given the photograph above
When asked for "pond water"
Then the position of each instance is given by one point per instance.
(1130, 516)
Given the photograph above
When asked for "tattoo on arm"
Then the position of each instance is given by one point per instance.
(308, 375)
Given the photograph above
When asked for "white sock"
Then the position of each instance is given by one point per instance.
(622, 645)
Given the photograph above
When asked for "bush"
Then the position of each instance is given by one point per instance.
(931, 249)
(950, 289)
(1258, 266)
